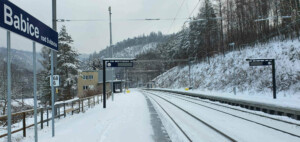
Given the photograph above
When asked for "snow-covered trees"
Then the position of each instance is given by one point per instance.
(3, 100)
(44, 76)
(67, 68)
(94, 60)
(67, 65)
(204, 34)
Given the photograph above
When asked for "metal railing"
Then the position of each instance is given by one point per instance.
(82, 104)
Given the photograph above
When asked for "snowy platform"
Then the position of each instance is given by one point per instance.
(127, 118)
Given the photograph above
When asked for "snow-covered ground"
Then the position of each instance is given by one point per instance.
(127, 118)
(245, 127)
(222, 74)
(17, 105)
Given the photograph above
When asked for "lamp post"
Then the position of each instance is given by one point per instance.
(112, 52)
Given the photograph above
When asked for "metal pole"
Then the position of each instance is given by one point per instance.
(189, 74)
(127, 79)
(124, 82)
(54, 26)
(112, 52)
(34, 93)
(110, 27)
(8, 88)
(104, 84)
(274, 78)
(52, 94)
(234, 88)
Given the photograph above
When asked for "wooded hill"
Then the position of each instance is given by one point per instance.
(220, 26)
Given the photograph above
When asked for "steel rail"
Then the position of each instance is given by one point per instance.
(171, 118)
(203, 122)
(243, 118)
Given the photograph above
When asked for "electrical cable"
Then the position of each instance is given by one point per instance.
(96, 20)
(194, 9)
(176, 16)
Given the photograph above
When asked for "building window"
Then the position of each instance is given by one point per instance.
(85, 87)
(88, 77)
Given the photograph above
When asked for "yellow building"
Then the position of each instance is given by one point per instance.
(90, 83)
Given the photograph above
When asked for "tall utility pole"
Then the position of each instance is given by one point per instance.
(112, 52)
(110, 30)
(54, 26)
(53, 63)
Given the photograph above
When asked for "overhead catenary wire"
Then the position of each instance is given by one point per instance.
(176, 16)
(173, 60)
(100, 20)
(194, 8)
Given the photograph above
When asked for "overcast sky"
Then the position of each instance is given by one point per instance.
(90, 36)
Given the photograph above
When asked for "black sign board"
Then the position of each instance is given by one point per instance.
(265, 62)
(260, 63)
(114, 62)
(119, 64)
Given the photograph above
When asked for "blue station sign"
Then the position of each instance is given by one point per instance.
(20, 22)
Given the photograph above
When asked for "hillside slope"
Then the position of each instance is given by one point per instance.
(223, 73)
(23, 59)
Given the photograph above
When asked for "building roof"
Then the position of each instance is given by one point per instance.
(114, 81)
(90, 71)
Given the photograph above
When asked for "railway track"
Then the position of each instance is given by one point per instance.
(187, 114)
(196, 100)
(274, 125)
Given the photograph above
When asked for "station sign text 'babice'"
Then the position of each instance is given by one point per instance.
(20, 22)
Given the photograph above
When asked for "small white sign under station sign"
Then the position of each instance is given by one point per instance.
(55, 80)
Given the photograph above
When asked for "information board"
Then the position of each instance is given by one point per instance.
(260, 63)
(119, 64)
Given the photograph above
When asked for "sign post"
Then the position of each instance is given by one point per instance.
(8, 88)
(266, 62)
(113, 62)
(34, 92)
(16, 20)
